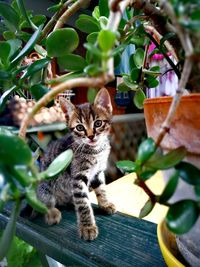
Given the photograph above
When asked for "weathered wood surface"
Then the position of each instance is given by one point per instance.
(123, 240)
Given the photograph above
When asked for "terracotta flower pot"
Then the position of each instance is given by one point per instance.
(185, 127)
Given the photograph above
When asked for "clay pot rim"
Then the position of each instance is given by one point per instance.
(168, 99)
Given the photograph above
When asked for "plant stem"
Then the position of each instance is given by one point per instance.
(146, 189)
(69, 12)
(54, 19)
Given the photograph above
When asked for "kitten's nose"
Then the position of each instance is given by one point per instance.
(91, 137)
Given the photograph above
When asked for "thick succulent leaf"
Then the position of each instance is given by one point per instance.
(168, 160)
(35, 67)
(71, 62)
(87, 24)
(169, 188)
(9, 14)
(91, 94)
(38, 91)
(138, 57)
(139, 98)
(5, 97)
(147, 208)
(29, 45)
(146, 150)
(106, 40)
(58, 165)
(126, 166)
(61, 42)
(14, 151)
(5, 49)
(33, 201)
(189, 173)
(181, 216)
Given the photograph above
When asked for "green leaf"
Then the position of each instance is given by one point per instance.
(135, 74)
(61, 42)
(168, 160)
(58, 165)
(36, 20)
(4, 76)
(21, 6)
(92, 37)
(138, 57)
(148, 206)
(152, 82)
(122, 87)
(38, 91)
(29, 45)
(146, 149)
(20, 173)
(189, 173)
(54, 8)
(4, 52)
(106, 40)
(7, 35)
(93, 49)
(169, 188)
(91, 94)
(87, 24)
(92, 70)
(5, 97)
(138, 40)
(10, 149)
(34, 202)
(71, 62)
(139, 98)
(35, 67)
(103, 22)
(127, 166)
(146, 173)
(128, 82)
(15, 45)
(9, 14)
(96, 13)
(9, 232)
(182, 216)
(104, 8)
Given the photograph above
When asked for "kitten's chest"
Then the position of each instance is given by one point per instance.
(100, 164)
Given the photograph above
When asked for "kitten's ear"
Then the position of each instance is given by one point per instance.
(102, 99)
(66, 106)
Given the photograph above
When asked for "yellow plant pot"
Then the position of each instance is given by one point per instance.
(168, 246)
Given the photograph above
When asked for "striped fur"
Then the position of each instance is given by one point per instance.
(90, 126)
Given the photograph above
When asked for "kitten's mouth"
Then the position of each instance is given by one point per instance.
(92, 143)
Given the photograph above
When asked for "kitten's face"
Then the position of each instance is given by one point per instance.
(90, 124)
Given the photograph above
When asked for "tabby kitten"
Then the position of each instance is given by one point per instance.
(89, 126)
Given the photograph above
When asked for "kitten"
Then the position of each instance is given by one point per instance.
(89, 126)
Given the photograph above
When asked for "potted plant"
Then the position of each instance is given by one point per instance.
(108, 34)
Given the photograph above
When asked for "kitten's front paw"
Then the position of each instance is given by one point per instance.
(109, 208)
(53, 216)
(88, 232)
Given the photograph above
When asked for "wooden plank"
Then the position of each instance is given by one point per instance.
(123, 240)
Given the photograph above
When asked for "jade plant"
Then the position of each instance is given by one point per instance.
(112, 27)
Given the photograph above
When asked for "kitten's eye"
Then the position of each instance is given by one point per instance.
(97, 123)
(80, 127)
